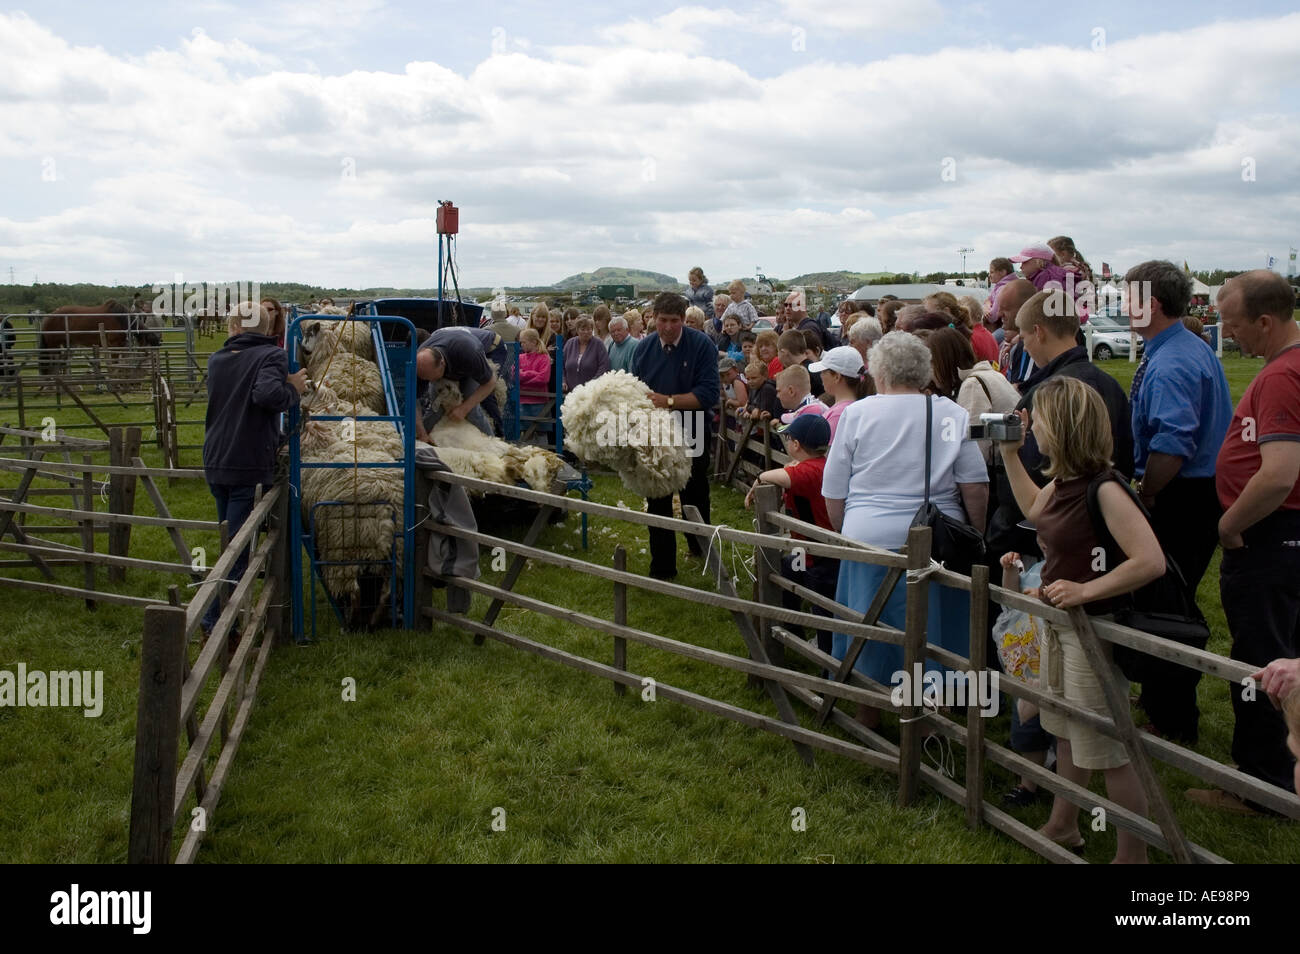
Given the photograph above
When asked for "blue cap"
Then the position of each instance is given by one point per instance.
(809, 429)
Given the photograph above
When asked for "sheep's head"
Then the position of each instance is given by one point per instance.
(321, 399)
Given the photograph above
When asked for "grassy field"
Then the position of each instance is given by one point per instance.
(444, 737)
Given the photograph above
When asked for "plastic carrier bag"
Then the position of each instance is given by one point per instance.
(1016, 633)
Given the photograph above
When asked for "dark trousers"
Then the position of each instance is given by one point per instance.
(821, 577)
(1260, 588)
(234, 504)
(663, 546)
(1186, 522)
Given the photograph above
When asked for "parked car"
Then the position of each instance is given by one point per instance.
(1110, 338)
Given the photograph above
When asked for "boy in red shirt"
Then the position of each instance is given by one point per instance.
(806, 440)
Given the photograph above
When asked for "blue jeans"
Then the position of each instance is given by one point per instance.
(234, 504)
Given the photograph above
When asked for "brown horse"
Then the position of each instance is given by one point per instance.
(77, 326)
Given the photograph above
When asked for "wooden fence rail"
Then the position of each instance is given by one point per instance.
(819, 695)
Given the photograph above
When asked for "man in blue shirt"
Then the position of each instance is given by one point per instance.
(680, 366)
(1181, 412)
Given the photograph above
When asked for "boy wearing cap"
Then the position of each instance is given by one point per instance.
(1038, 264)
(806, 440)
(841, 369)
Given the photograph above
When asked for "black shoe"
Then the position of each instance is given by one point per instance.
(663, 574)
(1020, 797)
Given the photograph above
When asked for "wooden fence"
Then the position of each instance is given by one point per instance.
(76, 507)
(167, 782)
(768, 641)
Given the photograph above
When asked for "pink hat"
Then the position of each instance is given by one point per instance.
(1034, 251)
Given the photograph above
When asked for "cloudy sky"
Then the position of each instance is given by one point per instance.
(310, 140)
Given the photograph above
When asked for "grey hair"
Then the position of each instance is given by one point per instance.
(584, 321)
(900, 359)
(865, 329)
(1170, 285)
(907, 313)
(619, 322)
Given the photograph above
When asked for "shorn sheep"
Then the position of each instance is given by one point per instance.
(612, 421)
(472, 453)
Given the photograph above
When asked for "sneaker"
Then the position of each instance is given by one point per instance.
(1020, 797)
(1217, 798)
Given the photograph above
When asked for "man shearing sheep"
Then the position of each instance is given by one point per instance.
(463, 355)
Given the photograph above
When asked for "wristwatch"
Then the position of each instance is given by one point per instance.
(670, 400)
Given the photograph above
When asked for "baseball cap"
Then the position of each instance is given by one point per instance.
(725, 365)
(843, 360)
(810, 430)
(1034, 251)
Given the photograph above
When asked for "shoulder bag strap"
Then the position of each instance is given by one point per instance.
(929, 417)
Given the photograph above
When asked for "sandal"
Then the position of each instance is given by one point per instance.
(1072, 847)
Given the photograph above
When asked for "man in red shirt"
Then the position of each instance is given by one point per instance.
(806, 440)
(1258, 481)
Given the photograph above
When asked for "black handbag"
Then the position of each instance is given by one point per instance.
(954, 543)
(1164, 607)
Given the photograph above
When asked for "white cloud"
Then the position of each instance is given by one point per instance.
(216, 153)
(860, 17)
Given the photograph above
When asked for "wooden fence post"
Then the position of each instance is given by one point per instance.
(124, 446)
(620, 617)
(918, 609)
(767, 500)
(157, 735)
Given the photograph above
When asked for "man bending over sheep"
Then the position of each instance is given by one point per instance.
(249, 384)
(460, 354)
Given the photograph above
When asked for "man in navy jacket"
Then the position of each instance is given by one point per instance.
(680, 366)
(249, 385)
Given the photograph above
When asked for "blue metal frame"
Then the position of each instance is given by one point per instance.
(403, 418)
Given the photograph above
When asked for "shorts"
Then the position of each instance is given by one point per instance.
(1067, 675)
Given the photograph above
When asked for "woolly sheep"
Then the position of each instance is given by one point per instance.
(651, 468)
(357, 530)
(331, 336)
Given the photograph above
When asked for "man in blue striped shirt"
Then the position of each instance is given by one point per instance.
(1181, 411)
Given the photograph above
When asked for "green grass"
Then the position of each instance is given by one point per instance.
(443, 732)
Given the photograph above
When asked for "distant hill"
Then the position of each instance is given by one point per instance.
(840, 279)
(619, 276)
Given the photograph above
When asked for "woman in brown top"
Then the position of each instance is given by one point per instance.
(1073, 430)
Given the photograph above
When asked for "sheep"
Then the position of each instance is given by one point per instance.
(331, 310)
(645, 457)
(367, 527)
(354, 380)
(351, 336)
(490, 458)
(380, 435)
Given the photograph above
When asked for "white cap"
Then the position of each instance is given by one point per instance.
(845, 360)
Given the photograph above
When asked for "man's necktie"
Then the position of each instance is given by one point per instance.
(1137, 379)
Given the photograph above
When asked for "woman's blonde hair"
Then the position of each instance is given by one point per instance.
(766, 337)
(1067, 408)
(948, 304)
(542, 312)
